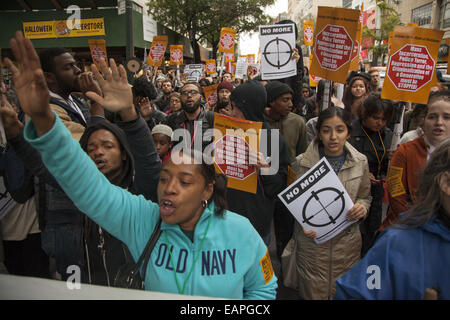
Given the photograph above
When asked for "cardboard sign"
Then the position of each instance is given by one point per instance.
(356, 54)
(211, 67)
(231, 151)
(211, 94)
(226, 42)
(313, 80)
(241, 70)
(336, 30)
(308, 33)
(276, 44)
(229, 57)
(410, 72)
(319, 201)
(194, 72)
(98, 51)
(157, 50)
(176, 55)
(251, 58)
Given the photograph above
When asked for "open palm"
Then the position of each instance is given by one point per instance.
(28, 78)
(117, 95)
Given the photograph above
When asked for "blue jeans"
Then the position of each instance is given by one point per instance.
(64, 243)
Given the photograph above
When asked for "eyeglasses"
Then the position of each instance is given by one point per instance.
(191, 92)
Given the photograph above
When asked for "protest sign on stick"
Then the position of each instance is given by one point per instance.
(334, 39)
(157, 50)
(411, 69)
(176, 55)
(319, 202)
(276, 44)
(98, 51)
(232, 151)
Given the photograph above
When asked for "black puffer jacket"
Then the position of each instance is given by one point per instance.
(251, 99)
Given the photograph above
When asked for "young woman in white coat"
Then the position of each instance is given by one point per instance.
(319, 265)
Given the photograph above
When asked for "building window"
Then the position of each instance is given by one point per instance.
(347, 3)
(446, 21)
(422, 15)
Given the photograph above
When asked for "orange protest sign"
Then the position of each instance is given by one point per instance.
(226, 42)
(211, 94)
(335, 34)
(313, 80)
(354, 64)
(308, 33)
(411, 68)
(211, 66)
(98, 51)
(251, 58)
(229, 57)
(176, 55)
(157, 50)
(231, 151)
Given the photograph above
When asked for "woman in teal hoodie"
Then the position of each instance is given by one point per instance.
(203, 249)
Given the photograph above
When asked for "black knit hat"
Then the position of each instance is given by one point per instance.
(275, 89)
(251, 98)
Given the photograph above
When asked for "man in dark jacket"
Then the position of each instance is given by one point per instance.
(193, 118)
(108, 146)
(295, 82)
(249, 101)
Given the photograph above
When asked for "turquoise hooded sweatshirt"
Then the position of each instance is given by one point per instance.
(233, 263)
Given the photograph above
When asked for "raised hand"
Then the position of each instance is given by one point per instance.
(30, 84)
(28, 79)
(11, 122)
(117, 95)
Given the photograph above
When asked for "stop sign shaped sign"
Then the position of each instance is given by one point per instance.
(231, 156)
(333, 47)
(411, 67)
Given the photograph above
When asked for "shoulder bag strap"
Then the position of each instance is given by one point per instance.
(148, 250)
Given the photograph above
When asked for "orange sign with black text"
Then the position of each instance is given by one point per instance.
(157, 50)
(232, 151)
(334, 39)
(411, 69)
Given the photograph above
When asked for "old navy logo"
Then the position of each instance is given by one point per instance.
(214, 262)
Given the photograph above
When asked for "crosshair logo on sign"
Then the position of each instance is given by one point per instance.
(332, 210)
(278, 52)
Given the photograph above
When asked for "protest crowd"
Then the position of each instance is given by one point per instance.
(105, 172)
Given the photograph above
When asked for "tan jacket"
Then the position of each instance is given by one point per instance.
(319, 266)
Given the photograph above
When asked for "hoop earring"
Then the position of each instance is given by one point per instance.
(204, 203)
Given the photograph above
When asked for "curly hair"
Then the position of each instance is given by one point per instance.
(144, 88)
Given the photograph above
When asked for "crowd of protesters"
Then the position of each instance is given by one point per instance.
(91, 167)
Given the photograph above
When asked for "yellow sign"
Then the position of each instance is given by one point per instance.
(308, 33)
(176, 55)
(394, 181)
(266, 267)
(98, 51)
(59, 29)
(334, 39)
(233, 151)
(354, 64)
(226, 41)
(211, 66)
(157, 50)
(411, 69)
(211, 94)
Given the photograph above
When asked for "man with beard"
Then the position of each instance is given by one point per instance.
(194, 118)
(63, 77)
(163, 102)
(223, 104)
(59, 220)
